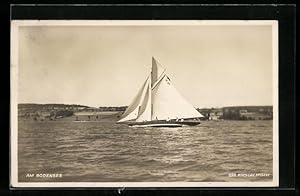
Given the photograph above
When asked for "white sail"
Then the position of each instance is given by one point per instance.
(167, 103)
(156, 72)
(145, 108)
(158, 100)
(132, 110)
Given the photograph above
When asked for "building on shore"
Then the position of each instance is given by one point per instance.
(216, 114)
(211, 113)
(248, 113)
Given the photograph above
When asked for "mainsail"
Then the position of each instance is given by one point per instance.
(158, 99)
(156, 72)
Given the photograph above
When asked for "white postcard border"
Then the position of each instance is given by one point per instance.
(15, 24)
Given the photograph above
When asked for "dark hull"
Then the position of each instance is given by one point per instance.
(160, 123)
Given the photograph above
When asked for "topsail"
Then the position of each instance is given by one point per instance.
(158, 100)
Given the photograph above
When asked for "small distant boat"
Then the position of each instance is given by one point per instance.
(159, 104)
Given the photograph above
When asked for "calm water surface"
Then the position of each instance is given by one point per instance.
(105, 151)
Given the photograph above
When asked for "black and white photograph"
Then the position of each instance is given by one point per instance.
(148, 103)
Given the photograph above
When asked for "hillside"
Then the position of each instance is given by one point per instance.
(33, 111)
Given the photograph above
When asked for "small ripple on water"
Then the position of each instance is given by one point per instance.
(105, 151)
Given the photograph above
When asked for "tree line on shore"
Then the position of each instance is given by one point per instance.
(54, 111)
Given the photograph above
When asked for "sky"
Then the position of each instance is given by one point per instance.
(211, 66)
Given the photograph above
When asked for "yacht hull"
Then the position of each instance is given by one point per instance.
(158, 123)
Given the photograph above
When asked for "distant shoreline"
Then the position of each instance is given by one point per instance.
(86, 106)
(40, 112)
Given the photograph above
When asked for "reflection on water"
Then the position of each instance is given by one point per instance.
(105, 151)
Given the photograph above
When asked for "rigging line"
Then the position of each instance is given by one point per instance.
(160, 78)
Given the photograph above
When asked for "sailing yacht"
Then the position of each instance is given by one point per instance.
(159, 104)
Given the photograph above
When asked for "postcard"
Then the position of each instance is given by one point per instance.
(148, 103)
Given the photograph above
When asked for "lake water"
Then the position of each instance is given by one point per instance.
(105, 151)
